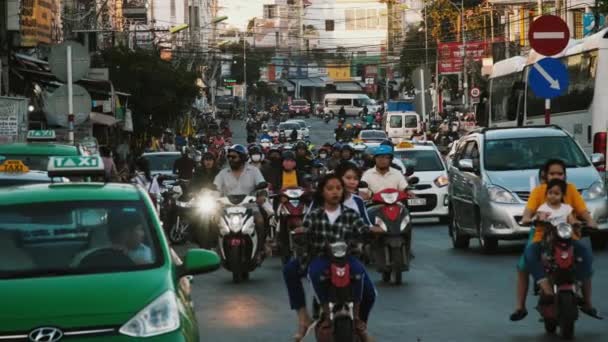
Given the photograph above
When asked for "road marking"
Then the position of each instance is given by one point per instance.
(554, 84)
(549, 35)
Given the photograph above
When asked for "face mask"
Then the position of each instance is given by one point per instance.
(322, 155)
(256, 158)
(289, 164)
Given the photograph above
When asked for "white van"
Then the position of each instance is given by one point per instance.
(353, 104)
(402, 125)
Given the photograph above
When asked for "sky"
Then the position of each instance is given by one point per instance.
(240, 11)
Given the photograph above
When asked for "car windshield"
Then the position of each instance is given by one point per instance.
(421, 160)
(162, 162)
(59, 238)
(286, 126)
(373, 135)
(33, 162)
(299, 103)
(531, 153)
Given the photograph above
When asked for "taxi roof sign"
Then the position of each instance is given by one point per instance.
(75, 166)
(405, 144)
(14, 166)
(41, 135)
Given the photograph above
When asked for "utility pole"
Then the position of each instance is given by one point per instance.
(245, 72)
(465, 85)
(426, 38)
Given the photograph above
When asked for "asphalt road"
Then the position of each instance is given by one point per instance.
(448, 295)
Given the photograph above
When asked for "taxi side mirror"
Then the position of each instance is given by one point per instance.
(199, 261)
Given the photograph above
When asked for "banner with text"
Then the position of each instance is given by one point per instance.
(451, 56)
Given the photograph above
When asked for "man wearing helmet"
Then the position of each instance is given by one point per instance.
(303, 158)
(336, 157)
(256, 156)
(240, 178)
(383, 176)
(184, 166)
(339, 132)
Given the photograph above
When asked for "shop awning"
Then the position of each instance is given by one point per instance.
(313, 82)
(348, 86)
(287, 85)
(102, 119)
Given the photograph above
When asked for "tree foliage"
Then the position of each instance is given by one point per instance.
(160, 92)
(256, 59)
(413, 54)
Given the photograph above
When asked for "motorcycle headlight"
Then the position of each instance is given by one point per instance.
(500, 195)
(183, 204)
(596, 190)
(159, 317)
(381, 224)
(235, 222)
(405, 222)
(389, 197)
(564, 231)
(206, 204)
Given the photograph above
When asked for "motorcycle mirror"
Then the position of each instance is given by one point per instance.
(413, 180)
(363, 185)
(409, 170)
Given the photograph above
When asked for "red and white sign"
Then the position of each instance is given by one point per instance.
(475, 92)
(451, 55)
(549, 35)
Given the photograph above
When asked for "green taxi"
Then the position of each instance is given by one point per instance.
(89, 261)
(36, 151)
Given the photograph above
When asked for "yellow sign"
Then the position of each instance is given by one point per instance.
(405, 144)
(14, 166)
(338, 72)
(39, 21)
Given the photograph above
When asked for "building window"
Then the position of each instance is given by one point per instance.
(578, 24)
(350, 19)
(329, 25)
(361, 19)
(372, 19)
(270, 11)
(383, 19)
(172, 5)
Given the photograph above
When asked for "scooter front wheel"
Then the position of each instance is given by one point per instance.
(343, 329)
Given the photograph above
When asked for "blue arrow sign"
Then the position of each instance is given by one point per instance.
(548, 78)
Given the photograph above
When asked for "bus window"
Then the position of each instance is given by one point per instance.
(503, 100)
(581, 73)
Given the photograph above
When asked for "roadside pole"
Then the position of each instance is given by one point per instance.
(547, 111)
(70, 96)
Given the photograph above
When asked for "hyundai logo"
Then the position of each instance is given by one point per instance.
(46, 334)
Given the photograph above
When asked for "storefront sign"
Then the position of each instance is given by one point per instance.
(12, 116)
(39, 19)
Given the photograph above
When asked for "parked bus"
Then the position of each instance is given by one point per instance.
(582, 110)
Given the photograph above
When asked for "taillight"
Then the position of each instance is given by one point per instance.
(599, 146)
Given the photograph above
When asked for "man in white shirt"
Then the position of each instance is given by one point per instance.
(383, 176)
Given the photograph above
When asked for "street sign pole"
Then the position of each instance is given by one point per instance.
(422, 88)
(547, 111)
(70, 96)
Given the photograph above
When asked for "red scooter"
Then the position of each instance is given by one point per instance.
(293, 203)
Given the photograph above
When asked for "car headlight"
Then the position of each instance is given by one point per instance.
(441, 181)
(159, 317)
(596, 190)
(500, 195)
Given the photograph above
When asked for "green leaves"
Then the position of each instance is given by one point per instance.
(161, 93)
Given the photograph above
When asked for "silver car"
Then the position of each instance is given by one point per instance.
(493, 172)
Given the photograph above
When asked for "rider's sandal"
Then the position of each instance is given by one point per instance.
(592, 312)
(303, 331)
(518, 315)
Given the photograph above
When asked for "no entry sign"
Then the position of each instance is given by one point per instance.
(548, 35)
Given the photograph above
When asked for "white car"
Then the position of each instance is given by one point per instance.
(303, 127)
(432, 189)
(288, 127)
(372, 137)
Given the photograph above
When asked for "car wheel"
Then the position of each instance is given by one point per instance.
(459, 240)
(488, 245)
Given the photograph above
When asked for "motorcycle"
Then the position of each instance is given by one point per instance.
(238, 240)
(190, 214)
(290, 214)
(340, 310)
(391, 251)
(327, 118)
(560, 262)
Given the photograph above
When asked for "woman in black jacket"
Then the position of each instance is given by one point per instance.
(205, 173)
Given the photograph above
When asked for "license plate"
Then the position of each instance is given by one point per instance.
(235, 243)
(416, 201)
(297, 110)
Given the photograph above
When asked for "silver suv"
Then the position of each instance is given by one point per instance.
(492, 174)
